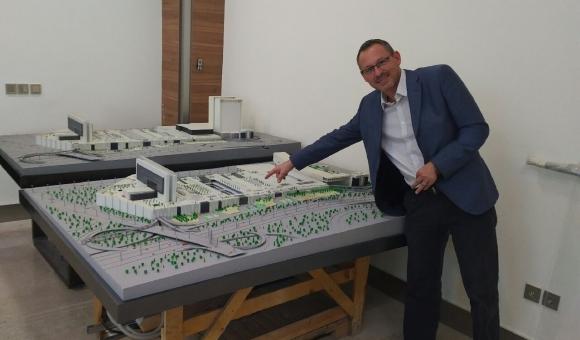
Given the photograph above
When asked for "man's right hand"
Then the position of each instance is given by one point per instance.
(281, 170)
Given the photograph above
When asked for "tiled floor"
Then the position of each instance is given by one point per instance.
(35, 304)
(383, 320)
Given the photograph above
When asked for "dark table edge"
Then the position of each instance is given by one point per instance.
(11, 167)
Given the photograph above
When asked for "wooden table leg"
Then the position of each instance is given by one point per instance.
(204, 321)
(334, 290)
(98, 315)
(228, 312)
(97, 310)
(172, 324)
(361, 271)
(150, 323)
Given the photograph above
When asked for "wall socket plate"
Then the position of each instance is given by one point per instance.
(35, 89)
(532, 293)
(23, 88)
(11, 89)
(550, 300)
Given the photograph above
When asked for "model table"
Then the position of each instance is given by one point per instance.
(48, 168)
(128, 277)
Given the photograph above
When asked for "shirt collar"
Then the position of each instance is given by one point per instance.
(401, 91)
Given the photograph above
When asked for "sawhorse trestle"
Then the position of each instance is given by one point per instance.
(341, 320)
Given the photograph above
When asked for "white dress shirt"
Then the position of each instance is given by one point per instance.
(398, 139)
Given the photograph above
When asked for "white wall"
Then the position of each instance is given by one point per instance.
(293, 63)
(98, 58)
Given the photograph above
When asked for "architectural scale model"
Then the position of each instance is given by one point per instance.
(26, 156)
(155, 192)
(225, 122)
(81, 152)
(158, 229)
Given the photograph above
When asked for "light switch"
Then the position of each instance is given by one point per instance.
(22, 88)
(35, 89)
(11, 89)
(532, 293)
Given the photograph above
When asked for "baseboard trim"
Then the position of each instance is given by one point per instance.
(13, 212)
(451, 315)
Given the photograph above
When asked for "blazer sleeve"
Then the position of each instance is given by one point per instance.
(472, 130)
(329, 144)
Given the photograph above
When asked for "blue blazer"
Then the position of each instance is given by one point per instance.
(449, 129)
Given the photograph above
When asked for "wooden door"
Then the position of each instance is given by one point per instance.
(207, 31)
(170, 69)
(207, 40)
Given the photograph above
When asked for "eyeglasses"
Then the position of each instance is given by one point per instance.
(367, 71)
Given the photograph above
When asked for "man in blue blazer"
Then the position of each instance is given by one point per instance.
(422, 130)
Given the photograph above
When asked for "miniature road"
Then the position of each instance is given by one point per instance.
(180, 239)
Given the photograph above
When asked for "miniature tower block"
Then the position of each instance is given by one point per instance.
(227, 115)
(157, 177)
(82, 129)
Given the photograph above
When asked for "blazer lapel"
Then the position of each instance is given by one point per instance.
(414, 94)
(375, 130)
(377, 120)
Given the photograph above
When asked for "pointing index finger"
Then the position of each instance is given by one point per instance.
(271, 172)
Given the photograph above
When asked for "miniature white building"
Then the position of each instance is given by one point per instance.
(140, 195)
(81, 127)
(82, 137)
(157, 177)
(79, 131)
(328, 174)
(227, 117)
(224, 122)
(226, 113)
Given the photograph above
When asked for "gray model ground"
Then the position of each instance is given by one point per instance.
(137, 256)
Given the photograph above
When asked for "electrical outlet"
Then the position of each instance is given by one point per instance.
(35, 89)
(550, 300)
(532, 293)
(11, 89)
(22, 88)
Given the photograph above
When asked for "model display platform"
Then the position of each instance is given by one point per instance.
(235, 220)
(80, 153)
(30, 164)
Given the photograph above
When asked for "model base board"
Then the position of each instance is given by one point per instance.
(137, 256)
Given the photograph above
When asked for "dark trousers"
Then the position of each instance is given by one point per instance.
(431, 218)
